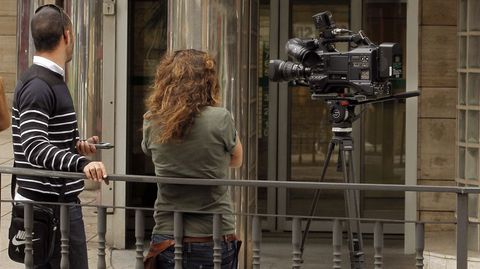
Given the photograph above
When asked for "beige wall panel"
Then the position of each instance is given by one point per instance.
(10, 81)
(8, 8)
(436, 216)
(439, 12)
(438, 56)
(8, 25)
(438, 103)
(8, 54)
(430, 201)
(435, 201)
(437, 148)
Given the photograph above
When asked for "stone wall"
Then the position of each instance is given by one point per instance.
(437, 108)
(8, 44)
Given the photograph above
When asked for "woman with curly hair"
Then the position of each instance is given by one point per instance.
(188, 135)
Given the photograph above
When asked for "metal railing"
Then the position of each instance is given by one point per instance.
(462, 220)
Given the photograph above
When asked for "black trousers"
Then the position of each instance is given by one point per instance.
(77, 245)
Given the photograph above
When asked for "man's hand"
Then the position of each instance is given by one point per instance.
(86, 147)
(96, 172)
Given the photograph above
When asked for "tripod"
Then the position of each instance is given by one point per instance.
(342, 115)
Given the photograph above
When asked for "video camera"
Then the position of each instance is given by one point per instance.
(362, 73)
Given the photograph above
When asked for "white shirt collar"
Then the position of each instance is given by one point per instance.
(44, 62)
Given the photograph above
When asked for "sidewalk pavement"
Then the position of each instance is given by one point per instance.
(276, 249)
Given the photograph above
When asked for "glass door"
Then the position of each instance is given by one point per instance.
(301, 130)
(310, 129)
(383, 124)
(147, 28)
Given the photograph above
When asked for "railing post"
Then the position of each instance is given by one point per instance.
(337, 244)
(419, 244)
(296, 242)
(101, 230)
(217, 241)
(28, 225)
(462, 230)
(139, 236)
(378, 245)
(256, 239)
(178, 236)
(65, 235)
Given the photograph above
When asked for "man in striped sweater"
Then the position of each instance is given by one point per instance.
(44, 128)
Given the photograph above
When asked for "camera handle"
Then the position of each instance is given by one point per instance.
(342, 115)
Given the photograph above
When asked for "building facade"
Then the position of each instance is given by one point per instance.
(285, 132)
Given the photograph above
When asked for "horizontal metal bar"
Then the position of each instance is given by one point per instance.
(318, 218)
(246, 183)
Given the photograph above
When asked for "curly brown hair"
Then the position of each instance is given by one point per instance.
(185, 82)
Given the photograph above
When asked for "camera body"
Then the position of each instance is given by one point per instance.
(363, 72)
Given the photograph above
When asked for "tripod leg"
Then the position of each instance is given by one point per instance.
(313, 207)
(354, 236)
(356, 200)
(348, 210)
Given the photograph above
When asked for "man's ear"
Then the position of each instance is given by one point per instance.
(67, 36)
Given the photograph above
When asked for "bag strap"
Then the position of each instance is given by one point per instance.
(13, 184)
(158, 248)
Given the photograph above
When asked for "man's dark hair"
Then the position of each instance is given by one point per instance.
(48, 26)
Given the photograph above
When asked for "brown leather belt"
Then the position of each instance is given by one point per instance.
(206, 239)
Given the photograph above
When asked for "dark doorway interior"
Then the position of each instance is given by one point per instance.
(147, 43)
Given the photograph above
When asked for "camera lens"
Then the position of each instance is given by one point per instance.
(279, 70)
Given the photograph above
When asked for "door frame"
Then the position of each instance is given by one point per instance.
(114, 113)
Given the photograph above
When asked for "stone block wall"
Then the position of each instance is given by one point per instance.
(8, 44)
(437, 108)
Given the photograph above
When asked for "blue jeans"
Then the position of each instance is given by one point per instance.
(77, 243)
(196, 255)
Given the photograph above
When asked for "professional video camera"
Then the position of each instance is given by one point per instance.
(361, 74)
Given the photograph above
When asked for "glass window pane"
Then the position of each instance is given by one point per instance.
(461, 163)
(461, 126)
(474, 9)
(472, 127)
(474, 52)
(148, 41)
(263, 58)
(310, 127)
(263, 82)
(473, 89)
(462, 52)
(462, 15)
(472, 164)
(473, 205)
(462, 88)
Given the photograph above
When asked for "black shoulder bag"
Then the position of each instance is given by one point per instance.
(45, 225)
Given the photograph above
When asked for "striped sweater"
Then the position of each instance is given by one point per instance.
(45, 133)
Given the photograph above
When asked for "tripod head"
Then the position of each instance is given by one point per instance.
(342, 109)
(342, 115)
